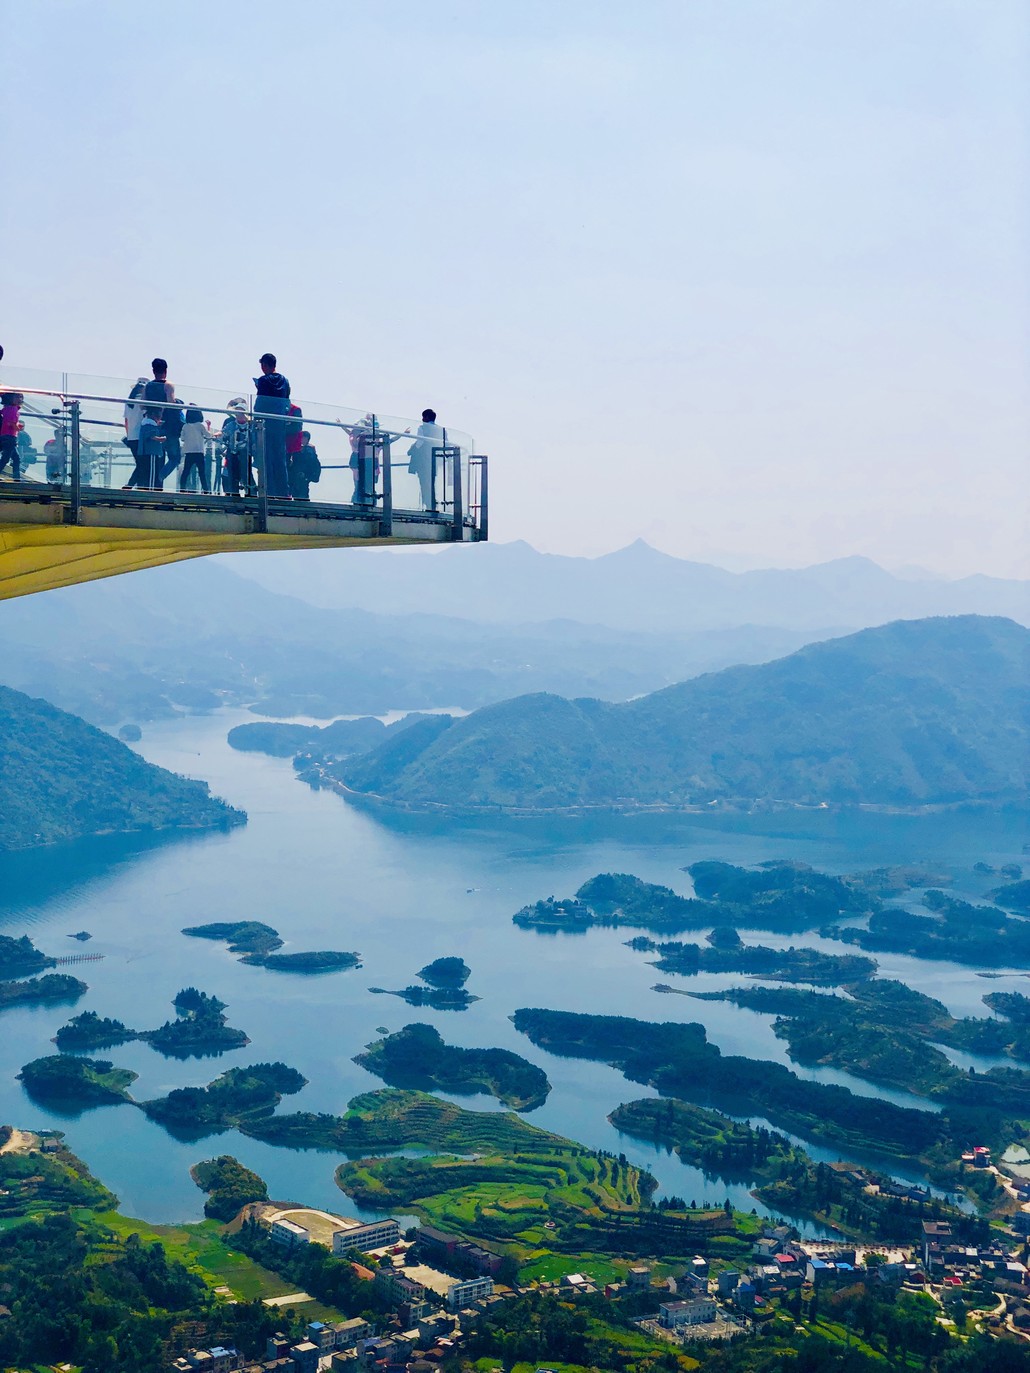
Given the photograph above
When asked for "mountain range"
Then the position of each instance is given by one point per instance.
(61, 779)
(636, 589)
(193, 636)
(911, 713)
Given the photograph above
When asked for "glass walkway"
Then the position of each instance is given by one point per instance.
(81, 507)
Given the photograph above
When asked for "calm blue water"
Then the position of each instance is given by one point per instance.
(327, 876)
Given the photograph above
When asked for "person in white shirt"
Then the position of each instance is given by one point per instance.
(194, 440)
(133, 420)
(428, 436)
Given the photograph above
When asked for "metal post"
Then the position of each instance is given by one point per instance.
(262, 520)
(386, 517)
(456, 512)
(76, 490)
(483, 496)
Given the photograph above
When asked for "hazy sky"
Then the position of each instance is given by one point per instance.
(748, 278)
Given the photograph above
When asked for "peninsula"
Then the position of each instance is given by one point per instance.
(63, 779)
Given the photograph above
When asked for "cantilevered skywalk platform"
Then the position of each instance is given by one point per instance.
(70, 519)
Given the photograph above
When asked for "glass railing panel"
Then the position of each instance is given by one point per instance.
(331, 455)
(336, 455)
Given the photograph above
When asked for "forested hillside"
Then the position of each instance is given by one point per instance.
(915, 712)
(62, 779)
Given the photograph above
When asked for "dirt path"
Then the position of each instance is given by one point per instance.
(21, 1142)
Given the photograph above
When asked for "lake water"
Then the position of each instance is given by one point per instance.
(328, 876)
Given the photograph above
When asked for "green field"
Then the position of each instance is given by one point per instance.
(201, 1248)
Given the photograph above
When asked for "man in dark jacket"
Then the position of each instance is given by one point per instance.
(273, 399)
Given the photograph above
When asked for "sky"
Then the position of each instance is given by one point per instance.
(745, 278)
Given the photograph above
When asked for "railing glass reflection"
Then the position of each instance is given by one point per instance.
(209, 445)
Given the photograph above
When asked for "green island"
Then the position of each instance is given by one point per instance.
(445, 980)
(756, 960)
(229, 1186)
(91, 1031)
(887, 1033)
(235, 1100)
(780, 896)
(678, 1061)
(417, 1057)
(958, 931)
(34, 991)
(257, 944)
(19, 957)
(446, 972)
(244, 937)
(438, 998)
(393, 1118)
(855, 1201)
(71, 1083)
(199, 1029)
(1014, 896)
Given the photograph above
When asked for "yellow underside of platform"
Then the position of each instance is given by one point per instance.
(37, 557)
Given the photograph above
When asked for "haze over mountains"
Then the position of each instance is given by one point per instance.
(195, 635)
(911, 713)
(636, 588)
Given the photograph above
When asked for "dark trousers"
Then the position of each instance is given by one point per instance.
(149, 462)
(133, 446)
(234, 473)
(277, 480)
(194, 463)
(9, 454)
(173, 453)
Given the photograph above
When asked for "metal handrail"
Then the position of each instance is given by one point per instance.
(370, 441)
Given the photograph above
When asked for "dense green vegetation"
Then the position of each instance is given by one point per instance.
(337, 740)
(312, 961)
(417, 1057)
(198, 1030)
(396, 1119)
(1014, 897)
(446, 972)
(257, 945)
(93, 1293)
(234, 1100)
(71, 1083)
(91, 1031)
(35, 1184)
(228, 1184)
(20, 956)
(784, 965)
(678, 1060)
(781, 896)
(860, 1329)
(958, 931)
(439, 998)
(551, 1195)
(792, 1183)
(62, 779)
(243, 936)
(886, 1032)
(911, 713)
(38, 990)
